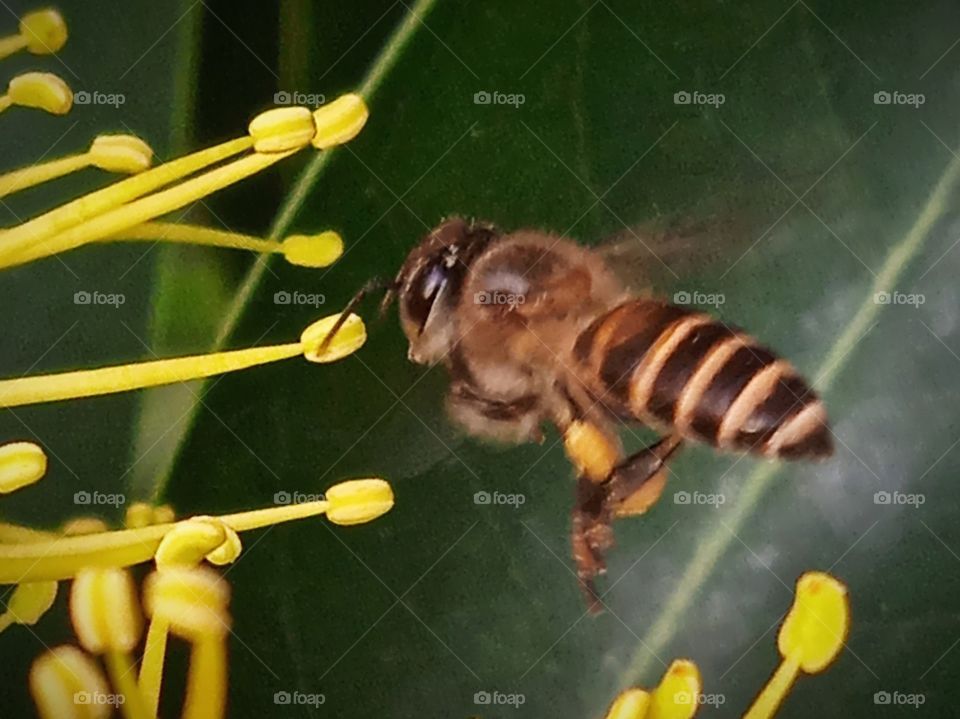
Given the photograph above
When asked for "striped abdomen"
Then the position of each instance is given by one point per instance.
(685, 371)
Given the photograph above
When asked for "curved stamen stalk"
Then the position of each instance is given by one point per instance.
(107, 380)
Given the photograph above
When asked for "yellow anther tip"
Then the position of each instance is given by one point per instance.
(340, 121)
(121, 153)
(83, 525)
(138, 515)
(818, 622)
(677, 696)
(631, 704)
(349, 338)
(105, 610)
(313, 250)
(359, 500)
(57, 676)
(31, 601)
(193, 600)
(41, 90)
(21, 464)
(282, 129)
(44, 30)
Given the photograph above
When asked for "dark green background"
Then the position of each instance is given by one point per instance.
(413, 614)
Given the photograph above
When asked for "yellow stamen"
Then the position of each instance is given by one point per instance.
(39, 90)
(340, 121)
(73, 213)
(28, 603)
(122, 378)
(142, 514)
(810, 639)
(63, 557)
(17, 533)
(21, 464)
(105, 611)
(359, 501)
(197, 538)
(116, 209)
(42, 33)
(317, 250)
(282, 129)
(68, 684)
(122, 218)
(83, 525)
(631, 704)
(193, 601)
(677, 696)
(112, 153)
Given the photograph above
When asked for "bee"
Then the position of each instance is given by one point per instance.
(536, 329)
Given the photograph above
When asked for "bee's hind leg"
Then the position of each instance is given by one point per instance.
(633, 486)
(637, 483)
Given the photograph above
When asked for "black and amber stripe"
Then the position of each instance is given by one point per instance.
(683, 370)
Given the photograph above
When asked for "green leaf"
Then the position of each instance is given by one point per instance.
(835, 199)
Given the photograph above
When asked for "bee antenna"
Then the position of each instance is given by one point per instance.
(372, 285)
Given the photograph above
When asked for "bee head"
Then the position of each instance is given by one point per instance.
(429, 285)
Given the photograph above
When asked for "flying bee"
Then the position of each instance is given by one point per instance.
(535, 329)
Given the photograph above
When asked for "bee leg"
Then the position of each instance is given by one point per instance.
(637, 483)
(591, 536)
